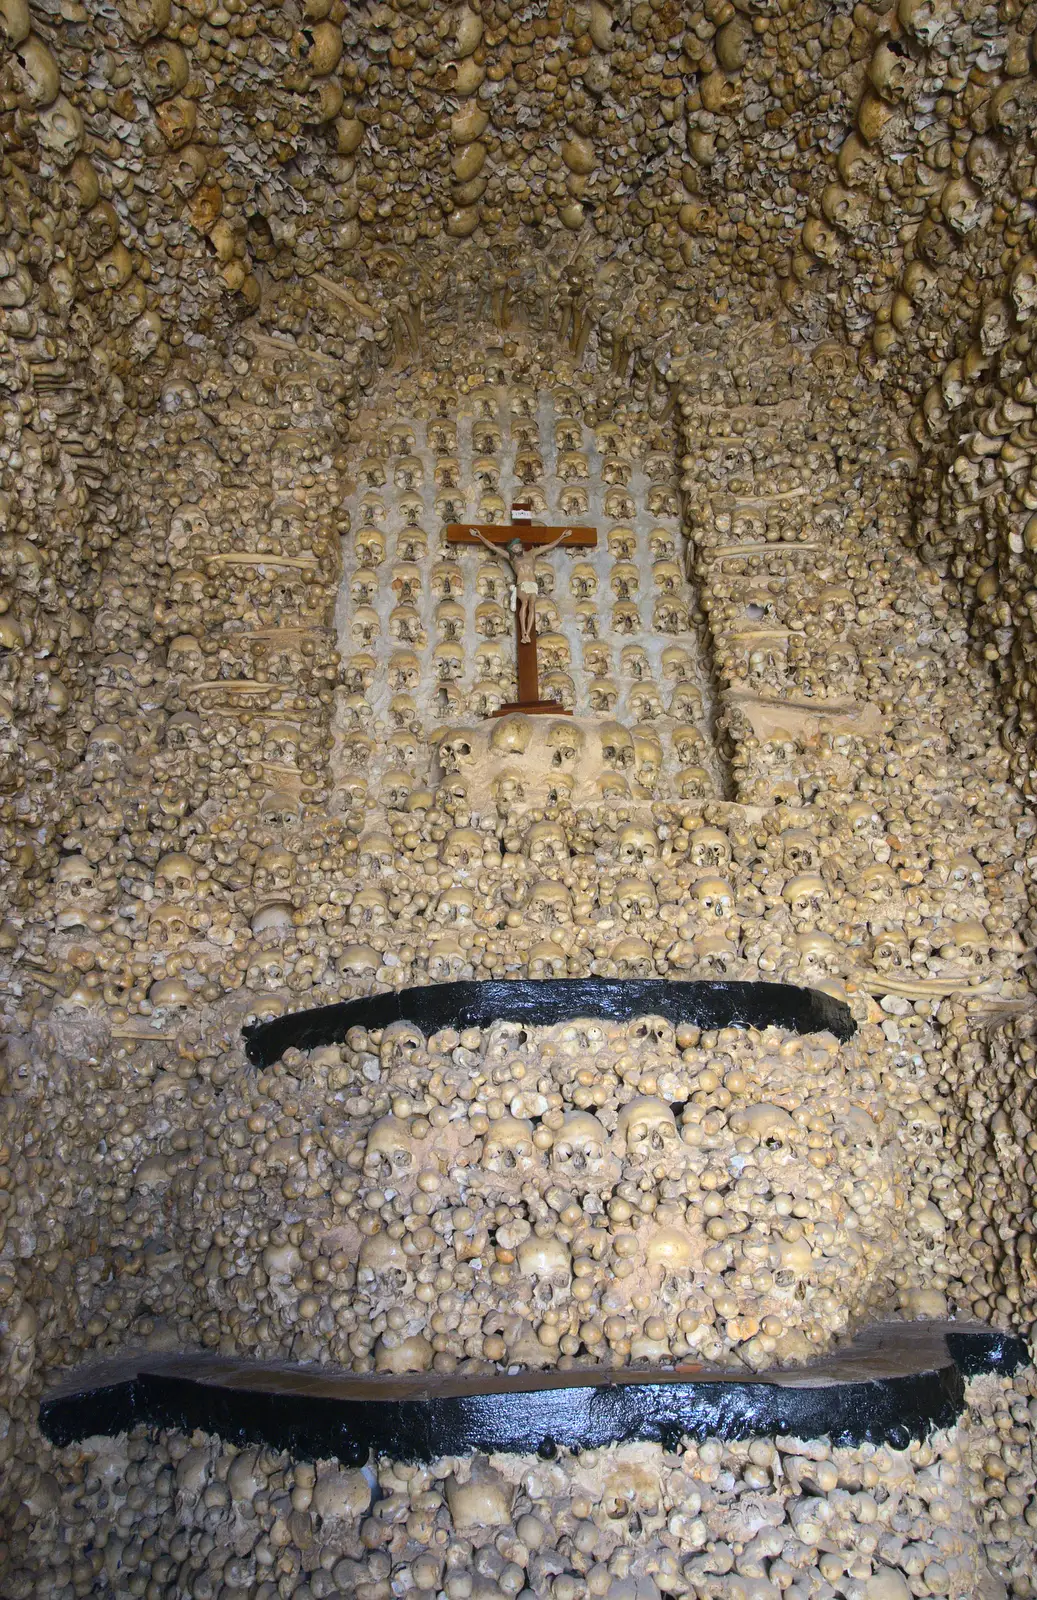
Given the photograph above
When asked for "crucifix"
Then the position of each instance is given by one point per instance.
(515, 544)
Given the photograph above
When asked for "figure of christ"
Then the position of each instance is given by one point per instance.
(524, 589)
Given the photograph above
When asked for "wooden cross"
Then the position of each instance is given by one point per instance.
(522, 531)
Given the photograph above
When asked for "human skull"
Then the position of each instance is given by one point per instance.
(892, 72)
(890, 951)
(547, 1261)
(619, 505)
(856, 1129)
(486, 438)
(383, 1260)
(617, 747)
(547, 846)
(709, 847)
(635, 663)
(878, 884)
(805, 895)
(995, 324)
(486, 472)
(636, 845)
(490, 620)
(508, 790)
(764, 1123)
(580, 1149)
(447, 961)
(370, 544)
(694, 783)
(669, 1253)
(369, 908)
(455, 750)
(572, 466)
(818, 952)
(185, 656)
(568, 434)
(403, 749)
(648, 755)
(400, 439)
(790, 1260)
(365, 626)
(583, 581)
(409, 473)
(670, 615)
(389, 1151)
(687, 745)
(452, 797)
(922, 1122)
(667, 577)
(550, 904)
(274, 919)
(359, 960)
(799, 850)
(106, 749)
(404, 624)
(842, 207)
(75, 879)
(489, 660)
(962, 205)
(966, 947)
(711, 953)
(602, 694)
(59, 129)
(511, 735)
(168, 927)
(508, 1148)
(486, 698)
(274, 869)
(175, 875)
(624, 580)
(462, 848)
(622, 543)
(402, 1045)
(411, 508)
(646, 1131)
(636, 899)
(632, 958)
(615, 470)
(565, 741)
(546, 960)
(925, 20)
(715, 898)
(573, 501)
(184, 731)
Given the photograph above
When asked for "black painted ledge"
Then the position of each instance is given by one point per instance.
(708, 1004)
(897, 1382)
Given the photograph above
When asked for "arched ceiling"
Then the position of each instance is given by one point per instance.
(868, 169)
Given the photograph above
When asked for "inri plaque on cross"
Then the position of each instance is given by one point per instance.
(515, 544)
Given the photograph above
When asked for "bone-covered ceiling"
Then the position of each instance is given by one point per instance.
(869, 170)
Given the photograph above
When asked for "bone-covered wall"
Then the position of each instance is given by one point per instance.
(749, 287)
(426, 628)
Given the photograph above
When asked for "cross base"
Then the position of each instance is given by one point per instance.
(534, 708)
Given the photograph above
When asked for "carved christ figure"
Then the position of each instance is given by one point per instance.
(524, 589)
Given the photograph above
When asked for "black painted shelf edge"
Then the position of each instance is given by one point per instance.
(477, 1415)
(706, 1004)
